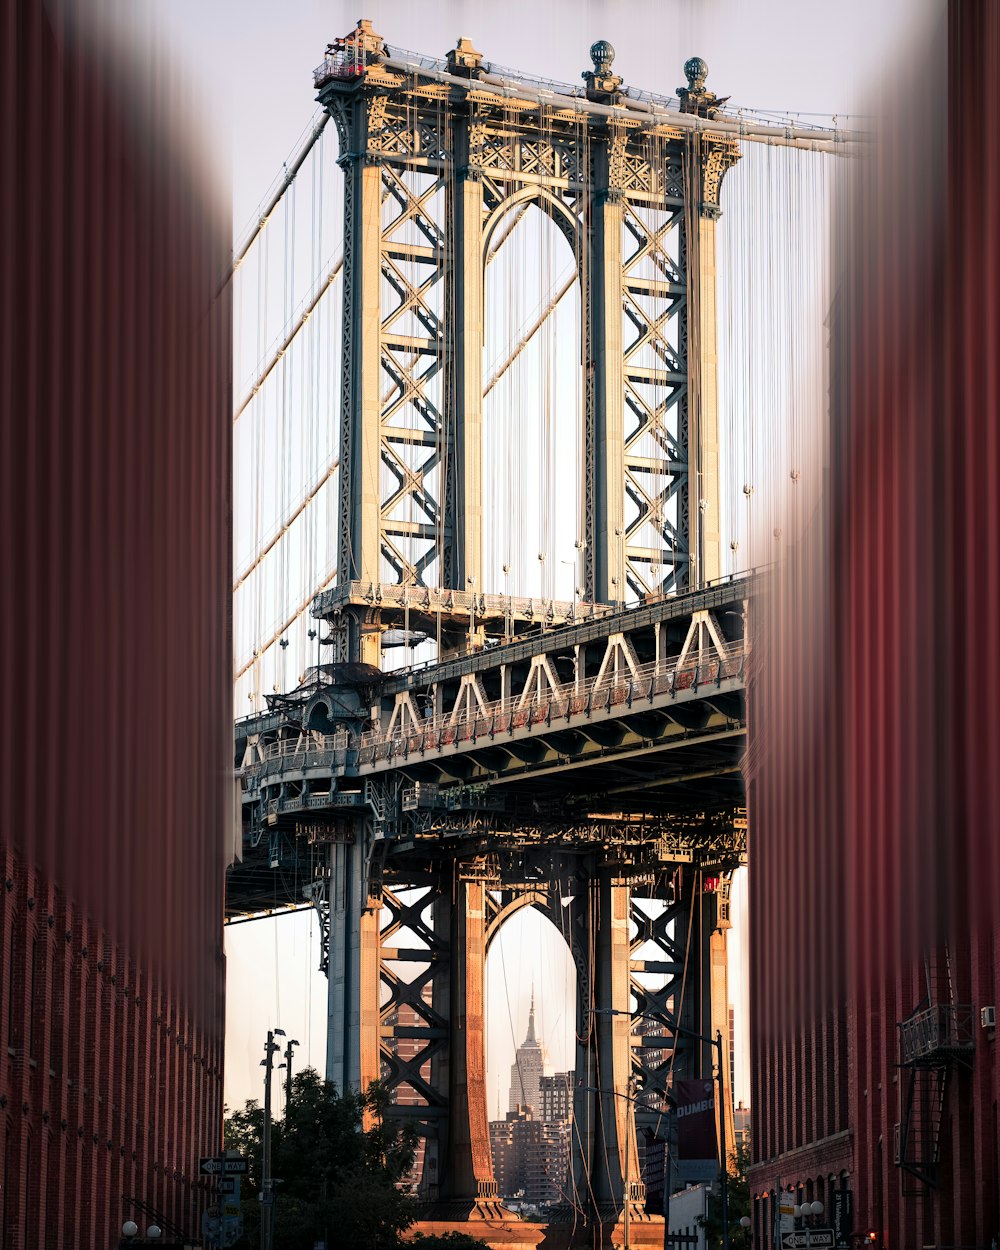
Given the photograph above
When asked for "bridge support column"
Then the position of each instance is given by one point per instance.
(467, 368)
(707, 494)
(606, 1144)
(706, 1003)
(468, 1189)
(606, 453)
(710, 160)
(352, 1048)
(360, 441)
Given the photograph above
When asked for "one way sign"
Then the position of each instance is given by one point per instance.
(223, 1167)
(813, 1238)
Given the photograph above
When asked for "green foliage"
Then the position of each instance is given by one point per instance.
(244, 1131)
(739, 1205)
(335, 1181)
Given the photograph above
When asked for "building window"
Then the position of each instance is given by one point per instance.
(5, 1196)
(34, 1004)
(26, 1205)
(12, 1029)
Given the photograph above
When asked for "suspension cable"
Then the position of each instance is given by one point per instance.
(259, 651)
(286, 342)
(286, 526)
(283, 186)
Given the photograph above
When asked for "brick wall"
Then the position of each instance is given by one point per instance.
(873, 787)
(115, 648)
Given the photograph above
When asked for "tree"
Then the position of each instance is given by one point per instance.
(335, 1180)
(739, 1205)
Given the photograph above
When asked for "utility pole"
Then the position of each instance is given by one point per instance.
(716, 1042)
(271, 1048)
(288, 1070)
(629, 1101)
(724, 1145)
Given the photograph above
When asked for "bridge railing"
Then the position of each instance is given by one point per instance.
(423, 598)
(569, 699)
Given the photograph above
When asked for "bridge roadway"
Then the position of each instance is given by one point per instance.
(633, 719)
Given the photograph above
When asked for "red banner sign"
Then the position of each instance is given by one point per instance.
(696, 1137)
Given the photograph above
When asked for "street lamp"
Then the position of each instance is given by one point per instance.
(271, 1048)
(806, 1211)
(130, 1229)
(723, 1154)
(289, 1054)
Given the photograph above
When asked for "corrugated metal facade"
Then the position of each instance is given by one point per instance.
(875, 789)
(115, 659)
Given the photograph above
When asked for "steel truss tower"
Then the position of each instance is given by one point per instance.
(436, 155)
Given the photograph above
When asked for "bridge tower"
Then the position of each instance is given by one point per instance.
(436, 154)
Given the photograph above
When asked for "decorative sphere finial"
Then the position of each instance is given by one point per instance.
(602, 54)
(696, 71)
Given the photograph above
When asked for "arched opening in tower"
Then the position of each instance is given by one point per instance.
(533, 404)
(531, 1009)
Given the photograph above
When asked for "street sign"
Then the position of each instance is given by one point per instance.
(843, 1217)
(808, 1239)
(786, 1213)
(228, 1185)
(224, 1167)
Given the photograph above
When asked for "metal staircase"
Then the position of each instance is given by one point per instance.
(937, 1039)
(156, 1217)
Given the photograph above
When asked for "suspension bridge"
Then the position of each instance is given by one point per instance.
(516, 416)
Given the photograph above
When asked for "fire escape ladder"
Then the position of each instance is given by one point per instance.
(936, 1041)
(918, 1134)
(162, 1221)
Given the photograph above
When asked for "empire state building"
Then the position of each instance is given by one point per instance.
(528, 1068)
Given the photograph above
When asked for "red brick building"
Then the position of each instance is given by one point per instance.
(115, 656)
(873, 782)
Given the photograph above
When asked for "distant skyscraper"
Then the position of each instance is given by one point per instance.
(741, 1126)
(531, 1158)
(555, 1097)
(527, 1069)
(531, 1146)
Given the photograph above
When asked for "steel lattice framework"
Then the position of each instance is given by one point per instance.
(436, 163)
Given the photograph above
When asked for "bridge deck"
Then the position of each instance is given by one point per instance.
(632, 719)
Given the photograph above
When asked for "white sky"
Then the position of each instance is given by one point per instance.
(251, 61)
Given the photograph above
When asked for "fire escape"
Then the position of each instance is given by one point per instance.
(935, 1042)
